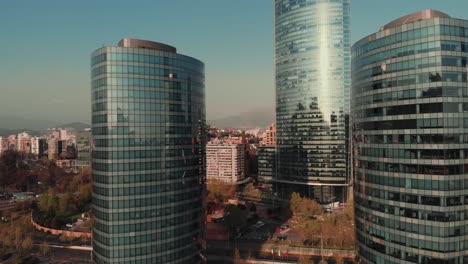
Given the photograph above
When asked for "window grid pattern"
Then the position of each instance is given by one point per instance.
(312, 97)
(148, 118)
(410, 143)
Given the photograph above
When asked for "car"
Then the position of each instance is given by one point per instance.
(259, 224)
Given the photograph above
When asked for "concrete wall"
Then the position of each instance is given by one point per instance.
(58, 232)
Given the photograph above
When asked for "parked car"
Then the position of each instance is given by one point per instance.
(259, 224)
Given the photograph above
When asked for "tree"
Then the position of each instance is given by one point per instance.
(237, 258)
(84, 239)
(253, 208)
(339, 260)
(63, 238)
(84, 195)
(9, 167)
(219, 191)
(27, 244)
(44, 248)
(251, 192)
(19, 234)
(66, 205)
(303, 259)
(234, 217)
(303, 209)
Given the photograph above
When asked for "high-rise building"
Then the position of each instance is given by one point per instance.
(35, 145)
(225, 162)
(148, 126)
(312, 97)
(410, 141)
(12, 142)
(43, 147)
(52, 148)
(269, 137)
(3, 144)
(266, 164)
(23, 142)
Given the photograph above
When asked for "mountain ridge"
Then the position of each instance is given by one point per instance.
(260, 117)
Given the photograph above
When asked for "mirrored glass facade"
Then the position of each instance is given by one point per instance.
(410, 141)
(312, 97)
(266, 164)
(148, 118)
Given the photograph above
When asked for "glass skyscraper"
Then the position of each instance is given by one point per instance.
(148, 118)
(410, 141)
(312, 97)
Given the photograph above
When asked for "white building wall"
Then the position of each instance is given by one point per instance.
(225, 162)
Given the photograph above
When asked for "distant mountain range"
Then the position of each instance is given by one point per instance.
(76, 126)
(13, 125)
(9, 125)
(246, 120)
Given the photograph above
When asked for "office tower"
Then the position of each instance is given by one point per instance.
(312, 97)
(225, 162)
(266, 164)
(43, 147)
(410, 141)
(148, 118)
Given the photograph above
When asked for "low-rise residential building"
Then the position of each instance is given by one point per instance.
(225, 162)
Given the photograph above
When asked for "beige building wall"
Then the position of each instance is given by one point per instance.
(225, 162)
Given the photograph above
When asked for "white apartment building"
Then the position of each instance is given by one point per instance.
(225, 162)
(23, 142)
(35, 145)
(3, 144)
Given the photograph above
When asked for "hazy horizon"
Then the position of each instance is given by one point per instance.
(45, 68)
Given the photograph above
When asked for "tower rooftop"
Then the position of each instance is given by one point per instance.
(417, 16)
(145, 44)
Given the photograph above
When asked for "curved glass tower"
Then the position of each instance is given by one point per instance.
(312, 97)
(148, 117)
(410, 141)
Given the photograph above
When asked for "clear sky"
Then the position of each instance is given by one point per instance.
(45, 47)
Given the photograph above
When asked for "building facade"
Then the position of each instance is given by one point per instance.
(23, 142)
(266, 164)
(52, 149)
(148, 127)
(312, 55)
(410, 141)
(269, 137)
(3, 144)
(225, 162)
(35, 145)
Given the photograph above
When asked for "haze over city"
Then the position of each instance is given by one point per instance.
(46, 46)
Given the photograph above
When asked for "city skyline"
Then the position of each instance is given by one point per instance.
(46, 48)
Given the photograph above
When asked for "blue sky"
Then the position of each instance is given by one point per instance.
(46, 45)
